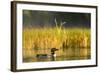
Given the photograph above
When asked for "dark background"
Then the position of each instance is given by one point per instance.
(41, 19)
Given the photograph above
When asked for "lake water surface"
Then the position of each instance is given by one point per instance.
(66, 55)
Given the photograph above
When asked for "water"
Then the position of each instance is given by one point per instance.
(64, 55)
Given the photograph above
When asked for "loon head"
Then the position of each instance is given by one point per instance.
(53, 51)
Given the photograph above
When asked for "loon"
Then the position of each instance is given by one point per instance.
(45, 56)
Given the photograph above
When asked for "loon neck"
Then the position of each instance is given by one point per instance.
(54, 55)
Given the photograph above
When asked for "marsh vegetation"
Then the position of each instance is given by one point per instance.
(67, 40)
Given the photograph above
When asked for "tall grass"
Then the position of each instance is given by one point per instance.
(35, 39)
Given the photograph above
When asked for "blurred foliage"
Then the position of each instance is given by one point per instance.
(47, 19)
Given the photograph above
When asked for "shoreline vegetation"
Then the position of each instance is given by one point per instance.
(40, 40)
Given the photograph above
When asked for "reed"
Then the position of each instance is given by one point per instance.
(41, 40)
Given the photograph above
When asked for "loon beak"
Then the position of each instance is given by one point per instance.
(56, 50)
